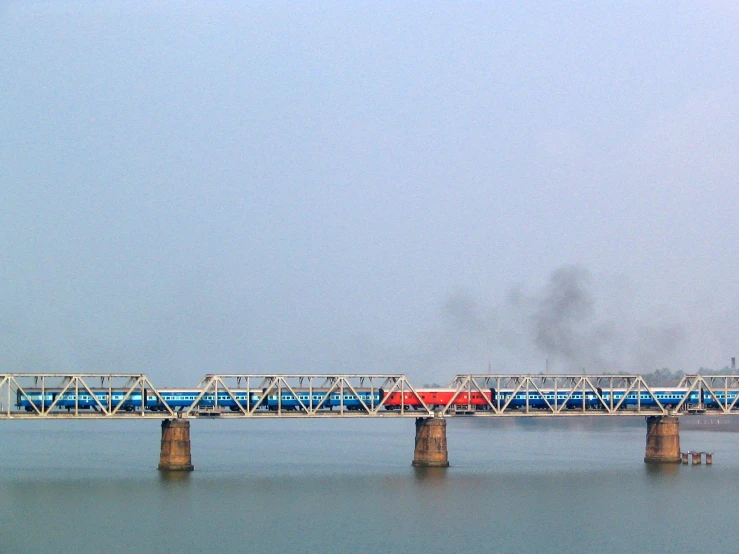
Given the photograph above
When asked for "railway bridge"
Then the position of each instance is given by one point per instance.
(59, 396)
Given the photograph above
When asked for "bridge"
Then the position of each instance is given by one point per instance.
(35, 396)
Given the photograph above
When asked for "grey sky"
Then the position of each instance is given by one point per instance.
(427, 188)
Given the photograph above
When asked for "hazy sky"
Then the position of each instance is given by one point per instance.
(417, 187)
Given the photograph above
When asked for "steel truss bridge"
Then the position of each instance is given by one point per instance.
(122, 396)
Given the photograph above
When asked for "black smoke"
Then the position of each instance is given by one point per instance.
(571, 324)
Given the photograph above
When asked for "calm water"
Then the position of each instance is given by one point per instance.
(347, 486)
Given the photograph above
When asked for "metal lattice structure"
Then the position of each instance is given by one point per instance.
(317, 388)
(55, 395)
(718, 386)
(106, 396)
(560, 395)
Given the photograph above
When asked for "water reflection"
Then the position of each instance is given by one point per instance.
(661, 470)
(430, 473)
(174, 476)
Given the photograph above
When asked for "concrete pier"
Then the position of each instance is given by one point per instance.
(431, 450)
(663, 440)
(175, 451)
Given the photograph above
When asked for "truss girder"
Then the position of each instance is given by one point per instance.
(99, 395)
(90, 395)
(568, 394)
(310, 395)
(718, 387)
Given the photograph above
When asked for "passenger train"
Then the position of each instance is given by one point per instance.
(317, 399)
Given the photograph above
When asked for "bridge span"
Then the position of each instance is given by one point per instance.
(56, 396)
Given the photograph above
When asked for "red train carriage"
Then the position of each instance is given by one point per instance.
(437, 398)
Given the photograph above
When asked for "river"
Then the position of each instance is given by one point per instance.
(348, 486)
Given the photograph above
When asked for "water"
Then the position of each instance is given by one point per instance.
(347, 486)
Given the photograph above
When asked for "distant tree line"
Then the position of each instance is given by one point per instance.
(666, 376)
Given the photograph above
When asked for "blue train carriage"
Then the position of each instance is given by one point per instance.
(546, 398)
(667, 398)
(69, 400)
(32, 399)
(297, 399)
(179, 399)
(634, 399)
(176, 399)
(235, 402)
(721, 398)
(589, 399)
(351, 401)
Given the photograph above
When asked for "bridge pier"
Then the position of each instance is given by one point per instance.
(175, 450)
(431, 450)
(663, 440)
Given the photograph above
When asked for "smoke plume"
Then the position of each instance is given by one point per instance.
(569, 325)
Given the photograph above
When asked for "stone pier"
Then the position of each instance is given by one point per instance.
(431, 448)
(175, 451)
(663, 440)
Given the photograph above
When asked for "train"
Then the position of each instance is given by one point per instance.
(289, 400)
(361, 399)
